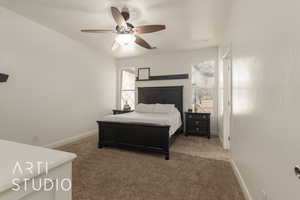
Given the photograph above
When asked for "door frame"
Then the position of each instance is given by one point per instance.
(227, 112)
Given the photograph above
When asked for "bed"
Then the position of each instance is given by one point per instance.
(147, 132)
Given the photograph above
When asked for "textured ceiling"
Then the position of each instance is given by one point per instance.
(191, 24)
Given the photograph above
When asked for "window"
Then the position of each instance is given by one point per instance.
(203, 83)
(128, 87)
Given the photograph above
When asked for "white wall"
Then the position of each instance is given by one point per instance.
(57, 87)
(177, 62)
(266, 99)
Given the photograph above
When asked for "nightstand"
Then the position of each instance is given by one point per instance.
(117, 112)
(197, 124)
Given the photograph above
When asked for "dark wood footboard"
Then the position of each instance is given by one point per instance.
(145, 137)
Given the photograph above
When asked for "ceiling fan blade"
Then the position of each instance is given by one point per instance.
(115, 45)
(97, 31)
(140, 41)
(118, 17)
(149, 28)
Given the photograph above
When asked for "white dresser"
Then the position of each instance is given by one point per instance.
(34, 173)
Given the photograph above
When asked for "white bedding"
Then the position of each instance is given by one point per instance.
(170, 119)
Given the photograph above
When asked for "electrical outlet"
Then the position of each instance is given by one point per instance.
(36, 140)
(264, 195)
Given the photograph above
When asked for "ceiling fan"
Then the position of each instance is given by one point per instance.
(126, 32)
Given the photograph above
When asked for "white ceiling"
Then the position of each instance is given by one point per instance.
(191, 24)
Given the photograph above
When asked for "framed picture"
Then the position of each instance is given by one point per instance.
(143, 73)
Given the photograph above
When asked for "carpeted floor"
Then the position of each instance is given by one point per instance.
(113, 174)
(200, 146)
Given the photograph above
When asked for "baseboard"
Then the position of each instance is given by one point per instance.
(71, 139)
(241, 181)
(221, 139)
(214, 133)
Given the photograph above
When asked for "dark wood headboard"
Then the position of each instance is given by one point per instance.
(162, 95)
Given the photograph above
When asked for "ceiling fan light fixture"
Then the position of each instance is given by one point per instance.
(127, 34)
(125, 39)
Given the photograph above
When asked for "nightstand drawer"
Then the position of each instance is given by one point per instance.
(198, 116)
(197, 122)
(197, 130)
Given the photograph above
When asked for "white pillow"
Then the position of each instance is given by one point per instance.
(164, 108)
(144, 108)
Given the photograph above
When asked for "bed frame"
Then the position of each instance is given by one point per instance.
(146, 137)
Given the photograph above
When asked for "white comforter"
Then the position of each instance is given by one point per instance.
(170, 119)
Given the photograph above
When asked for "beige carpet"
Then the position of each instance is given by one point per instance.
(200, 146)
(111, 174)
